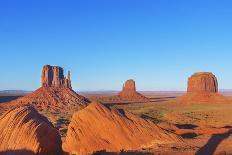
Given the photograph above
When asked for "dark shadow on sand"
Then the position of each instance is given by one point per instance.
(213, 143)
(186, 126)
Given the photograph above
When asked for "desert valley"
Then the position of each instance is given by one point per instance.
(115, 77)
(56, 120)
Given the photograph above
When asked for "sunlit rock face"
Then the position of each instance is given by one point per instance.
(23, 131)
(202, 88)
(129, 92)
(203, 82)
(98, 127)
(53, 76)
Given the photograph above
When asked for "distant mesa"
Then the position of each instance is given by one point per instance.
(129, 92)
(24, 131)
(98, 127)
(56, 93)
(203, 82)
(202, 88)
(53, 76)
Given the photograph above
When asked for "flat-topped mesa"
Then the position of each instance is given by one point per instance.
(202, 88)
(203, 82)
(53, 76)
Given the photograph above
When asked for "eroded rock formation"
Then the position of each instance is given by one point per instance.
(23, 131)
(97, 127)
(129, 92)
(55, 94)
(53, 76)
(202, 88)
(203, 82)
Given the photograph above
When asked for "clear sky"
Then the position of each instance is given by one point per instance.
(159, 43)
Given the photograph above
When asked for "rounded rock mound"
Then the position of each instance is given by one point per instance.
(98, 127)
(23, 131)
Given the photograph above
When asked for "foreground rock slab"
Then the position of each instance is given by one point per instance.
(97, 127)
(23, 131)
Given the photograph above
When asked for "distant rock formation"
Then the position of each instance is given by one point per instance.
(203, 82)
(56, 93)
(129, 92)
(97, 127)
(23, 131)
(202, 88)
(53, 76)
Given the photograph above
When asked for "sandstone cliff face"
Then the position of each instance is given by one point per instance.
(97, 127)
(203, 82)
(202, 88)
(53, 76)
(23, 131)
(129, 92)
(129, 86)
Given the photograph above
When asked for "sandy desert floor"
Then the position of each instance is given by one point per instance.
(205, 128)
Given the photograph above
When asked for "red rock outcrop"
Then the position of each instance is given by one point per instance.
(52, 99)
(129, 92)
(55, 94)
(97, 127)
(53, 76)
(23, 131)
(202, 88)
(203, 82)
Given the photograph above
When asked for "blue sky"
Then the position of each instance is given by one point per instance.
(159, 43)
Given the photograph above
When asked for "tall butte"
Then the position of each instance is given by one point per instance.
(56, 93)
(202, 88)
(53, 76)
(129, 92)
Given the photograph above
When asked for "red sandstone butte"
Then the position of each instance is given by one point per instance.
(98, 127)
(129, 92)
(23, 131)
(56, 93)
(54, 76)
(202, 88)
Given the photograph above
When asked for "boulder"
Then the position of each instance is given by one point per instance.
(23, 131)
